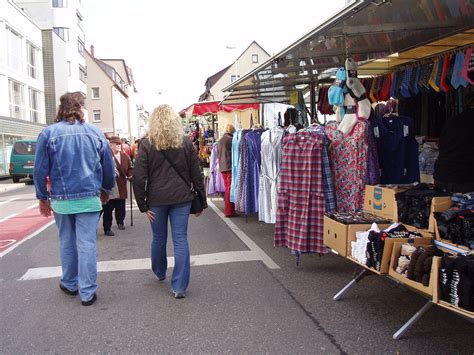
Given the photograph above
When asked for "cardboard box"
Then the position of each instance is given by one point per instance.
(388, 249)
(338, 236)
(438, 204)
(381, 201)
(428, 290)
(456, 309)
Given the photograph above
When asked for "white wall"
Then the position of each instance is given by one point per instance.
(12, 16)
(243, 66)
(120, 112)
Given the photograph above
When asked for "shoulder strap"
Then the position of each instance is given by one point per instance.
(175, 169)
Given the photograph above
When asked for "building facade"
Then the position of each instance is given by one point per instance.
(107, 97)
(22, 104)
(248, 60)
(63, 41)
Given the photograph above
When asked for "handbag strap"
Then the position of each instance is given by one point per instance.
(177, 171)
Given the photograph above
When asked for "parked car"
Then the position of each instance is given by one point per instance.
(22, 159)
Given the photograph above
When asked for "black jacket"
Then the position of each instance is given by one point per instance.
(156, 183)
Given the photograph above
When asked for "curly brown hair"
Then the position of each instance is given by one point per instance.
(70, 107)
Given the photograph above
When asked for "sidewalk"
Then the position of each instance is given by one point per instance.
(6, 184)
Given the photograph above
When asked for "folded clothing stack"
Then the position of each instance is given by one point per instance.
(376, 242)
(414, 205)
(457, 280)
(404, 259)
(464, 200)
(456, 225)
(421, 259)
(356, 218)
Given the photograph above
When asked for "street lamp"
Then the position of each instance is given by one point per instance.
(235, 61)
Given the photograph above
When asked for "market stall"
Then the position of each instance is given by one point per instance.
(381, 79)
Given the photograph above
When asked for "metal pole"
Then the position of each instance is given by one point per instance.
(131, 205)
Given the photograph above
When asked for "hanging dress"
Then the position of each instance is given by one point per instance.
(349, 157)
(216, 182)
(269, 172)
(300, 211)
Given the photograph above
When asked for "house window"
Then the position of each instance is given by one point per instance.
(59, 3)
(35, 105)
(96, 116)
(234, 78)
(69, 72)
(254, 58)
(14, 44)
(82, 73)
(62, 32)
(96, 93)
(33, 57)
(79, 19)
(80, 47)
(17, 100)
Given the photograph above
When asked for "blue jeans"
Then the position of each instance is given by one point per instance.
(178, 215)
(77, 237)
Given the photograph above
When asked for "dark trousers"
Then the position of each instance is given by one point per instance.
(119, 207)
(229, 207)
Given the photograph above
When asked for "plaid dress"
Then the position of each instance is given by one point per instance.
(300, 211)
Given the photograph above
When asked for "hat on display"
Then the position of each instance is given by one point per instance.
(115, 139)
(352, 82)
(336, 91)
(468, 68)
(363, 108)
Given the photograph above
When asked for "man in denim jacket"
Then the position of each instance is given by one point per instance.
(78, 161)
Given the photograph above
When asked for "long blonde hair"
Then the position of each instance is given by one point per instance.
(165, 129)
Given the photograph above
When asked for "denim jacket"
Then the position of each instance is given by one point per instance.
(78, 160)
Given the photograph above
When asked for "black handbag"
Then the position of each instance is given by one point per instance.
(197, 204)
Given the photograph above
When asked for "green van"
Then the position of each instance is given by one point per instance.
(22, 159)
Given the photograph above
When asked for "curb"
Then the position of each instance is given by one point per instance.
(11, 187)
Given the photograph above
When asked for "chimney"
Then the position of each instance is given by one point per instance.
(92, 51)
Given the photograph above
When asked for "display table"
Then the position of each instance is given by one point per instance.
(431, 292)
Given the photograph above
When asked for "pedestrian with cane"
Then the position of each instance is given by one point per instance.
(117, 201)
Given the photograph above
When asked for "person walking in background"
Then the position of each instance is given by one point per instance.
(77, 158)
(225, 168)
(134, 152)
(162, 194)
(119, 196)
(126, 147)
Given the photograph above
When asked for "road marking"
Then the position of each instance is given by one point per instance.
(145, 264)
(8, 217)
(10, 200)
(32, 235)
(244, 238)
(16, 214)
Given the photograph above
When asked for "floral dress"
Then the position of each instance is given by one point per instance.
(349, 156)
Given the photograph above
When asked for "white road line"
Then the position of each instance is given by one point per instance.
(244, 238)
(16, 214)
(8, 217)
(10, 200)
(34, 234)
(145, 264)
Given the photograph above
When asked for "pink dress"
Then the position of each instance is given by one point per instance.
(349, 163)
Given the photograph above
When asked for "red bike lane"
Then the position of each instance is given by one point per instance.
(18, 228)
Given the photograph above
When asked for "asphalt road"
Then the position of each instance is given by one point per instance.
(245, 296)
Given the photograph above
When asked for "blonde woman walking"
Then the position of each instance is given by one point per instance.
(162, 194)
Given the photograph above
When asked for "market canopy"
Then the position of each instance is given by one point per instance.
(381, 35)
(213, 107)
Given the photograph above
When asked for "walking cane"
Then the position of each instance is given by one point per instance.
(131, 205)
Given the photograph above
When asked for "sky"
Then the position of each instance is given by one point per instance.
(173, 46)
